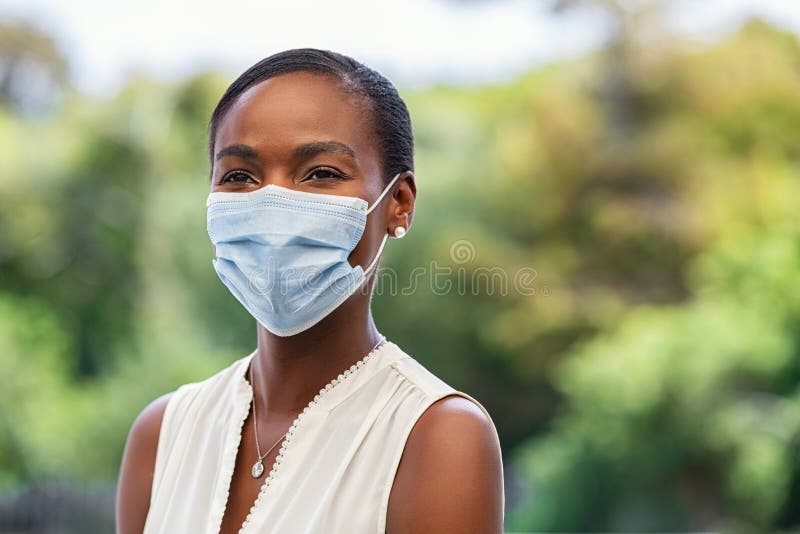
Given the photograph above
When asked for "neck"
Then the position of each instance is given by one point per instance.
(287, 372)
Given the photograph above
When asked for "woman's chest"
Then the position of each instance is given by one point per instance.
(334, 473)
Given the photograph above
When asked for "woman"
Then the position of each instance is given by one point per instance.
(326, 427)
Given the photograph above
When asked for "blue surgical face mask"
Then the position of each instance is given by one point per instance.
(283, 253)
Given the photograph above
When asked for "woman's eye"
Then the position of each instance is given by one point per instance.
(236, 176)
(323, 174)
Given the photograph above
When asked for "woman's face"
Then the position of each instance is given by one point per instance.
(302, 131)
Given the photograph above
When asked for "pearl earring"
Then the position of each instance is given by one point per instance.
(400, 231)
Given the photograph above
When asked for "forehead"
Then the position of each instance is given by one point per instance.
(295, 108)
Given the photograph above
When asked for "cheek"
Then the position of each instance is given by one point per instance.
(352, 188)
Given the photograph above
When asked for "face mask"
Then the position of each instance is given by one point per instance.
(283, 253)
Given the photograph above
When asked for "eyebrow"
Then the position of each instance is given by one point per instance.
(306, 150)
(316, 147)
(240, 151)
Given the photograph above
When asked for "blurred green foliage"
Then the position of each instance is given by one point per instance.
(648, 383)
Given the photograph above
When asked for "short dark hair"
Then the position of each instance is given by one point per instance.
(390, 118)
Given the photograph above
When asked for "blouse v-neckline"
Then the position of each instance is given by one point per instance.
(335, 391)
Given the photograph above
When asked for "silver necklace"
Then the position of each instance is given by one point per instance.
(258, 467)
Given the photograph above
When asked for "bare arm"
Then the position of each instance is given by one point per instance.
(138, 463)
(450, 477)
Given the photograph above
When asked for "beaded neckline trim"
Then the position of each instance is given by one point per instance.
(290, 433)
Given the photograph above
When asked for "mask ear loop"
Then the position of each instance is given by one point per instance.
(374, 205)
(385, 190)
(374, 261)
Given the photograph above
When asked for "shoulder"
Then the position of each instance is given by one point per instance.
(447, 408)
(137, 467)
(450, 477)
(147, 425)
(453, 429)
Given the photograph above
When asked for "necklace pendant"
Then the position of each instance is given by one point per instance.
(258, 469)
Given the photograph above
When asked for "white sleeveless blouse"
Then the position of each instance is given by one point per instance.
(336, 466)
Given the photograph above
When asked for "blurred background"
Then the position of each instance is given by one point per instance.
(639, 160)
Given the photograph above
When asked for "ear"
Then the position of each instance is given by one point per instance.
(403, 198)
